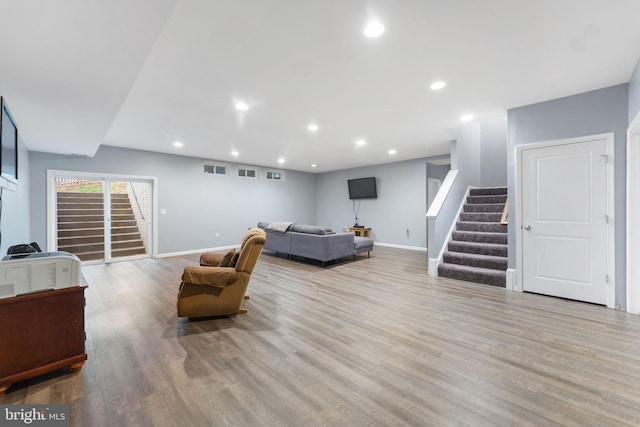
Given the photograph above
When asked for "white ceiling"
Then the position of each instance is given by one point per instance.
(145, 73)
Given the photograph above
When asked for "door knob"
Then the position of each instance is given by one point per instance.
(527, 227)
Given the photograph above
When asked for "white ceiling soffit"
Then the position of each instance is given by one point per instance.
(67, 66)
(440, 162)
(143, 74)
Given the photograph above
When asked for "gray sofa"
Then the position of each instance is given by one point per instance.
(313, 242)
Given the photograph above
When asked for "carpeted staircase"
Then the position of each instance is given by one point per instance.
(477, 251)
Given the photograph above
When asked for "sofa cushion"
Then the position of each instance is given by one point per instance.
(362, 242)
(211, 259)
(308, 229)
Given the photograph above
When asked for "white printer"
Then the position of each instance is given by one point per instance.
(40, 271)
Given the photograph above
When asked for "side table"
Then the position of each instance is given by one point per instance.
(360, 231)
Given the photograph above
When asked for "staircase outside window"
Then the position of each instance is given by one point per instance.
(81, 218)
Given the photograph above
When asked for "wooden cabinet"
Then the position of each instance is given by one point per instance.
(40, 333)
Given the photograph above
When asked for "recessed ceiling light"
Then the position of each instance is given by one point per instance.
(241, 106)
(178, 144)
(313, 127)
(392, 151)
(234, 153)
(314, 165)
(360, 142)
(438, 85)
(373, 29)
(467, 118)
(281, 160)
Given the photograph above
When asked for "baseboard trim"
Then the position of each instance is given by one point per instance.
(432, 267)
(197, 251)
(391, 245)
(512, 281)
(226, 248)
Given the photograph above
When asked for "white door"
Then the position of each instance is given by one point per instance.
(564, 220)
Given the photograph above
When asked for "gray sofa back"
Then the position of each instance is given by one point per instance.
(309, 241)
(308, 229)
(276, 240)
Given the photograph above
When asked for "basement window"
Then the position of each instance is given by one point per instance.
(216, 168)
(275, 175)
(247, 172)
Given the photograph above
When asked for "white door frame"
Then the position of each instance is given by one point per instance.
(633, 213)
(609, 137)
(435, 182)
(52, 227)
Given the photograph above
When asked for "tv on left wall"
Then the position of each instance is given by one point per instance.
(8, 144)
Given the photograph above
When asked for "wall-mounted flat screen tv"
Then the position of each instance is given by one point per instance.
(362, 188)
(8, 144)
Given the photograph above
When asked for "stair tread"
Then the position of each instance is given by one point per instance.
(486, 198)
(472, 268)
(481, 227)
(469, 233)
(473, 274)
(477, 256)
(488, 191)
(495, 249)
(479, 244)
(481, 214)
(484, 204)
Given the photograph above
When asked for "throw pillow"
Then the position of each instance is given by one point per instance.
(234, 259)
(226, 259)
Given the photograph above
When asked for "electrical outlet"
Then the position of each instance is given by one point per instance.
(217, 234)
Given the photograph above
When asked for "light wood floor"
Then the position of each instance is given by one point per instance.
(372, 342)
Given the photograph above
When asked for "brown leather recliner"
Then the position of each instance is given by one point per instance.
(217, 291)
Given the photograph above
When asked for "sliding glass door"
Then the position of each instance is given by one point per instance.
(101, 218)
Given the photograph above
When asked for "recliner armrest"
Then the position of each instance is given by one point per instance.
(211, 276)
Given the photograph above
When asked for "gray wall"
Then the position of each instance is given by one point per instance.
(198, 205)
(400, 206)
(493, 157)
(14, 223)
(591, 113)
(468, 156)
(634, 93)
(437, 171)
